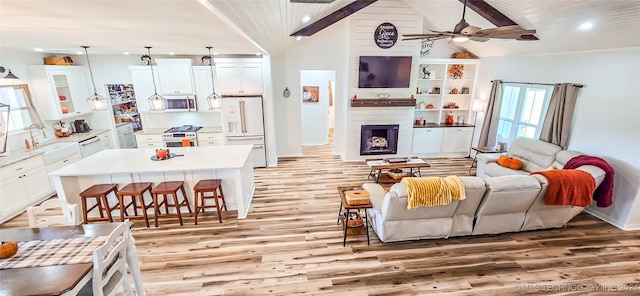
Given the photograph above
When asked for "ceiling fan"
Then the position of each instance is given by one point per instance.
(463, 32)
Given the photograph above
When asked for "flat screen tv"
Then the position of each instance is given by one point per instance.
(384, 72)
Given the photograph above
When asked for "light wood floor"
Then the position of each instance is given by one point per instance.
(290, 244)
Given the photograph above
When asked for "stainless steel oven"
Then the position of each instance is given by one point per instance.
(184, 136)
(173, 103)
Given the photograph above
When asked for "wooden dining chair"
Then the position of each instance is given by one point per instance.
(44, 214)
(109, 264)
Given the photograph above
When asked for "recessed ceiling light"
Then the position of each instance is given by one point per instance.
(306, 18)
(586, 26)
(298, 37)
(172, 53)
(258, 54)
(215, 53)
(38, 49)
(79, 52)
(125, 53)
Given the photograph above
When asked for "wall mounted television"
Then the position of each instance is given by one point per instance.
(384, 72)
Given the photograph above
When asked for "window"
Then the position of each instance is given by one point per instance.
(522, 111)
(20, 113)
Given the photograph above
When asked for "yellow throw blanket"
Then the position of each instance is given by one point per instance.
(433, 191)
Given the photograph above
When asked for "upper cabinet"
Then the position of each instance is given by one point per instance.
(445, 87)
(176, 76)
(239, 78)
(60, 91)
(143, 84)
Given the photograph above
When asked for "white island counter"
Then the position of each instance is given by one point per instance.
(231, 164)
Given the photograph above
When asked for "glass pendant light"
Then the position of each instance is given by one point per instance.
(214, 99)
(156, 102)
(95, 101)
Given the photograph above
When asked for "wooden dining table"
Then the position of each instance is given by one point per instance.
(58, 279)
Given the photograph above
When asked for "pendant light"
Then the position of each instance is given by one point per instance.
(156, 102)
(95, 101)
(215, 101)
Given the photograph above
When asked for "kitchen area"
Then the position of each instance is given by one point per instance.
(71, 132)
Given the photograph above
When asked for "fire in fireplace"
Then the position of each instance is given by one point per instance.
(379, 139)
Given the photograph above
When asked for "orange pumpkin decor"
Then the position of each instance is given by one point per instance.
(510, 162)
(8, 249)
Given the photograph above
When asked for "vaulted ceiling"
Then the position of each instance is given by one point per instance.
(185, 27)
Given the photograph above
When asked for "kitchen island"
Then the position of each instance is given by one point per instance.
(231, 164)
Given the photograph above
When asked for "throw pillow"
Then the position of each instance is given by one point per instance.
(510, 162)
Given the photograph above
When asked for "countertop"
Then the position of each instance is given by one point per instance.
(437, 125)
(126, 161)
(22, 154)
(156, 131)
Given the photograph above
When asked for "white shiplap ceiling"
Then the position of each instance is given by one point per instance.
(185, 27)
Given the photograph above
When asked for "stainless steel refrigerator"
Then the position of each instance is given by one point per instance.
(243, 124)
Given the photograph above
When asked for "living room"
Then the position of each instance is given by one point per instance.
(603, 126)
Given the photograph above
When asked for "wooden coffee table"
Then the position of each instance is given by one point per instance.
(378, 164)
(344, 215)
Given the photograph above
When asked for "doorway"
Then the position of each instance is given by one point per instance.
(316, 107)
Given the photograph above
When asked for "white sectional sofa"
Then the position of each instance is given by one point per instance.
(492, 205)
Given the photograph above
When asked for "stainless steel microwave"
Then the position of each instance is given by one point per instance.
(181, 103)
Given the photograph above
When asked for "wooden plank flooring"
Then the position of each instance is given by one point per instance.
(290, 244)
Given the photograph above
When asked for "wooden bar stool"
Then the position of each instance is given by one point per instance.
(136, 192)
(204, 186)
(169, 188)
(99, 192)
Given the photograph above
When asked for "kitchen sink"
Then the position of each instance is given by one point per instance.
(57, 151)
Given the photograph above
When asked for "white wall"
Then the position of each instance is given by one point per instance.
(605, 123)
(325, 50)
(315, 116)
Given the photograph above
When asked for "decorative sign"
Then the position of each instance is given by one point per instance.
(386, 35)
(426, 47)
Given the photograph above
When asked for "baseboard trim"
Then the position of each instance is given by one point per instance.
(612, 221)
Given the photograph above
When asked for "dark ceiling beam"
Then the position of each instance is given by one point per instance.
(333, 18)
(493, 15)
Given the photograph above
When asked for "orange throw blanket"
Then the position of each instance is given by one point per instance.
(569, 187)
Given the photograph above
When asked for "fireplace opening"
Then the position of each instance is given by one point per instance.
(379, 139)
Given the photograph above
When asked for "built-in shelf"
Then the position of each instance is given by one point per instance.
(383, 103)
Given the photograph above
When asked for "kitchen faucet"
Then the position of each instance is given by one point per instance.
(34, 140)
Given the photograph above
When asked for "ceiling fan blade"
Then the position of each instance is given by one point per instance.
(442, 32)
(427, 38)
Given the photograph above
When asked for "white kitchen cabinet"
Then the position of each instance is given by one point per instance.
(203, 86)
(427, 140)
(23, 184)
(176, 76)
(60, 91)
(143, 85)
(126, 139)
(149, 141)
(457, 140)
(210, 139)
(239, 78)
(106, 140)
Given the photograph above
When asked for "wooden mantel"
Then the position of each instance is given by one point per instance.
(383, 103)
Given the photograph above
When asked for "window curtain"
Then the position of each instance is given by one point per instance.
(557, 121)
(33, 113)
(489, 132)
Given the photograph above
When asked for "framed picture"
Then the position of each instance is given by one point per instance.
(465, 91)
(310, 94)
(435, 91)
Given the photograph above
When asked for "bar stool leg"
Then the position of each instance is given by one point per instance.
(215, 198)
(144, 208)
(156, 209)
(224, 202)
(121, 202)
(196, 210)
(184, 199)
(84, 210)
(177, 205)
(106, 203)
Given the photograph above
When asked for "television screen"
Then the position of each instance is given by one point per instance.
(384, 72)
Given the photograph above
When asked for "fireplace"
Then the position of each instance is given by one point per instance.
(379, 139)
